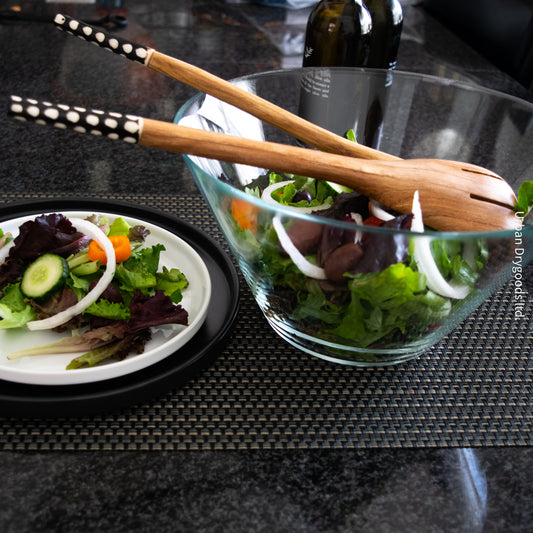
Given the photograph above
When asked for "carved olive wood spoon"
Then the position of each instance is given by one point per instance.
(226, 91)
(445, 192)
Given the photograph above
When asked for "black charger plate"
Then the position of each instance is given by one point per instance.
(50, 401)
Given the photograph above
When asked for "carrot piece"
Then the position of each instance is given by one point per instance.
(244, 214)
(121, 245)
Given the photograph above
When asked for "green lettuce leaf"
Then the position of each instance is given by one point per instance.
(14, 311)
(139, 271)
(171, 282)
(119, 227)
(381, 306)
(388, 303)
(350, 135)
(321, 191)
(448, 256)
(524, 198)
(111, 310)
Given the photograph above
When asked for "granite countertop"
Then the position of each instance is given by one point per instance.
(316, 490)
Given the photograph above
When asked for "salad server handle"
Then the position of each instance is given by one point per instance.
(113, 43)
(112, 125)
(445, 192)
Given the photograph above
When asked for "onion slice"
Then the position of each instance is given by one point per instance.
(377, 210)
(297, 258)
(267, 197)
(426, 263)
(93, 231)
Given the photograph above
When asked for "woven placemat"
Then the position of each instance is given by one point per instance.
(472, 389)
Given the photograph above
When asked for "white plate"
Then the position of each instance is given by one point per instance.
(167, 339)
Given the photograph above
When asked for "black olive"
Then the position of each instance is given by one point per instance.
(301, 195)
(304, 234)
(342, 260)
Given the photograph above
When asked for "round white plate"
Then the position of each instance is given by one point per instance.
(167, 339)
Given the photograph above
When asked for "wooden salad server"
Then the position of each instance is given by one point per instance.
(446, 197)
(226, 91)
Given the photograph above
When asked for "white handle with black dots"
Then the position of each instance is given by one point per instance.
(116, 44)
(127, 128)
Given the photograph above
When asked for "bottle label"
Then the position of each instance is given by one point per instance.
(317, 83)
(344, 99)
(327, 99)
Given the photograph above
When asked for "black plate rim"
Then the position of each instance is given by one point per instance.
(53, 401)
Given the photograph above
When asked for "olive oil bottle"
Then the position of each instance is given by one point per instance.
(338, 34)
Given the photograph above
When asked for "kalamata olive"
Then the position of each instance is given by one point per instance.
(331, 239)
(302, 195)
(342, 260)
(305, 235)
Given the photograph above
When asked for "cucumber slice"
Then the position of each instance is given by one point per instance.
(44, 276)
(85, 268)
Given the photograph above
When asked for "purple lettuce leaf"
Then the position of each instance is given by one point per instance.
(382, 251)
(46, 234)
(156, 310)
(51, 233)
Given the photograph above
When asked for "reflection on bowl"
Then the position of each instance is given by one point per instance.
(341, 278)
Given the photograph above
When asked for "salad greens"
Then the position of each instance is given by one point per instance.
(381, 294)
(139, 297)
(369, 290)
(14, 311)
(312, 193)
(382, 306)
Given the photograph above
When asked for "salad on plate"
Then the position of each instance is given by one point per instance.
(94, 277)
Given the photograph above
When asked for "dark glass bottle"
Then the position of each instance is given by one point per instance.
(387, 22)
(338, 34)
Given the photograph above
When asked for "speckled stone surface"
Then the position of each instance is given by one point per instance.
(309, 492)
(426, 490)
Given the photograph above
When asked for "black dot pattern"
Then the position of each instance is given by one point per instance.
(96, 36)
(127, 128)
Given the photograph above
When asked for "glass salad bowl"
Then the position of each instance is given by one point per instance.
(335, 274)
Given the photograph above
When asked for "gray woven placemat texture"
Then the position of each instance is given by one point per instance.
(472, 389)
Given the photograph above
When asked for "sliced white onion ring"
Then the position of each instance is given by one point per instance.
(378, 211)
(92, 231)
(298, 259)
(425, 262)
(267, 197)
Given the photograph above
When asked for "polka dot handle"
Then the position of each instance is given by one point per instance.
(127, 128)
(96, 36)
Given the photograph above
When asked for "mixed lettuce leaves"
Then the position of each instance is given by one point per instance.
(383, 297)
(141, 296)
(378, 301)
